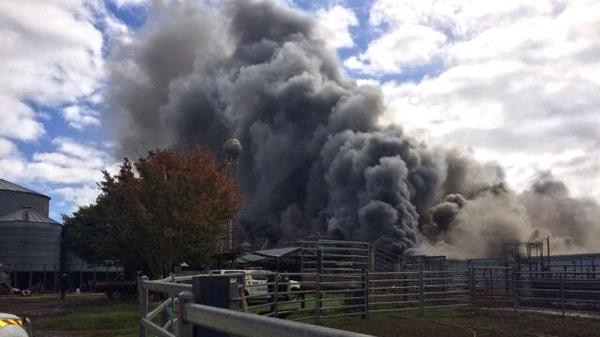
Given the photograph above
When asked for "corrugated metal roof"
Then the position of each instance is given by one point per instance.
(249, 257)
(277, 252)
(8, 186)
(26, 214)
(261, 255)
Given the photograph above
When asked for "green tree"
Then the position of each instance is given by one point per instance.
(169, 207)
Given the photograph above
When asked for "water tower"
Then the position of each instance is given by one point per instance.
(232, 150)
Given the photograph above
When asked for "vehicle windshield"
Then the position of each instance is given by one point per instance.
(259, 275)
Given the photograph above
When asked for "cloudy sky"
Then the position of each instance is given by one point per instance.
(512, 81)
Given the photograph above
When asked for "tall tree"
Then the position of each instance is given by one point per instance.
(169, 207)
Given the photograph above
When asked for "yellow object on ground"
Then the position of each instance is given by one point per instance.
(12, 326)
(5, 322)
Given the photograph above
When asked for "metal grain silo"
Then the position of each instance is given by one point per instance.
(14, 197)
(30, 242)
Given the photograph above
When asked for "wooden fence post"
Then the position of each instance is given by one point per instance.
(143, 298)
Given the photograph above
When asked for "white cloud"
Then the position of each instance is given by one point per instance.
(70, 171)
(408, 45)
(77, 196)
(51, 56)
(516, 81)
(53, 62)
(334, 24)
(419, 32)
(79, 117)
(71, 162)
(18, 120)
(129, 3)
(6, 147)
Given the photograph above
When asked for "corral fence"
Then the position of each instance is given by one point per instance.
(180, 314)
(553, 290)
(237, 303)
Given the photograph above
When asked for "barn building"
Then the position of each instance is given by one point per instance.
(32, 250)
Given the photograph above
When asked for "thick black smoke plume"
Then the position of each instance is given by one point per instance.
(314, 159)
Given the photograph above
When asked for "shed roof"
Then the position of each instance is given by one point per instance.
(261, 255)
(6, 185)
(27, 214)
(277, 252)
(249, 257)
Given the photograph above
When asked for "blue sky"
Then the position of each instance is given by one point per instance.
(514, 82)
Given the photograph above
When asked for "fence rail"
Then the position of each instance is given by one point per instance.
(249, 325)
(177, 315)
(313, 296)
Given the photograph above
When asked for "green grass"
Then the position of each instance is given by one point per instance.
(453, 322)
(110, 319)
(120, 319)
(330, 300)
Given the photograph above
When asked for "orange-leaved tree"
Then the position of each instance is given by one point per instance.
(167, 208)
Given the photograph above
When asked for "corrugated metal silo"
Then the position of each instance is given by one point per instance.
(14, 197)
(30, 241)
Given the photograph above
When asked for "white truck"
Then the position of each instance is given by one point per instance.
(256, 283)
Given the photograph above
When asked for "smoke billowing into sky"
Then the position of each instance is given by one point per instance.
(315, 157)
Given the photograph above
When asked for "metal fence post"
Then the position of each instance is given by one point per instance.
(562, 293)
(318, 290)
(366, 289)
(165, 316)
(184, 328)
(276, 292)
(491, 286)
(515, 289)
(242, 292)
(472, 285)
(143, 298)
(213, 291)
(421, 291)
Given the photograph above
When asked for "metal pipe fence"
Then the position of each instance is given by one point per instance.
(314, 296)
(178, 315)
(556, 290)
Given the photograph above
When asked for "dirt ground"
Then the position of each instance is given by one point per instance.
(40, 307)
(47, 309)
